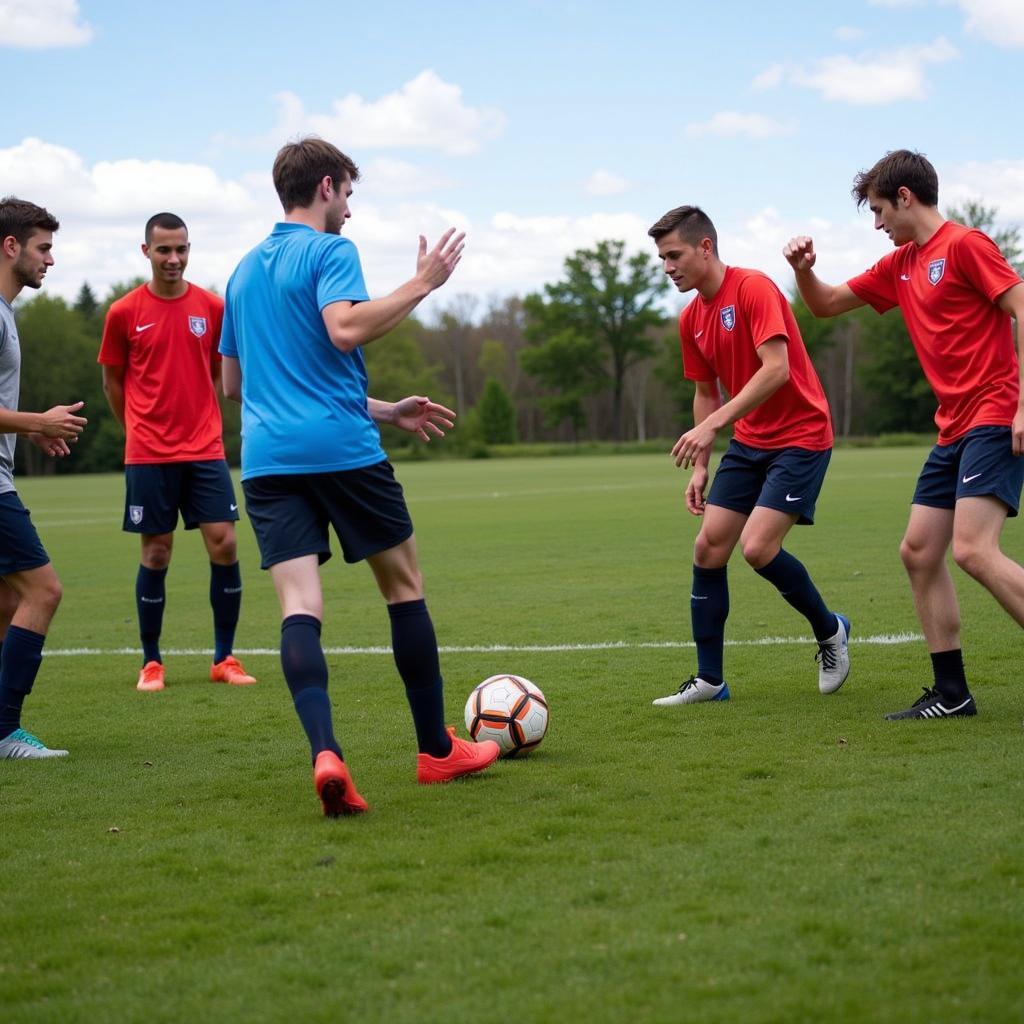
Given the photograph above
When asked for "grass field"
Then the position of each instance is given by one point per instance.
(782, 857)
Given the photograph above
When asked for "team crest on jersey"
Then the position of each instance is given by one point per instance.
(135, 514)
(197, 325)
(729, 317)
(935, 271)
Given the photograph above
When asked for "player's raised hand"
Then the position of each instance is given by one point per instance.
(435, 266)
(418, 414)
(61, 421)
(799, 253)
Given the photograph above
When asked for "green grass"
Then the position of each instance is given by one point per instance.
(782, 857)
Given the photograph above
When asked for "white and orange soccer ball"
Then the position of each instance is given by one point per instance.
(511, 711)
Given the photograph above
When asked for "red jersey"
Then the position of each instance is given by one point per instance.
(168, 348)
(947, 290)
(719, 339)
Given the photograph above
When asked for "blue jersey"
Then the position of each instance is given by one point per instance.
(303, 399)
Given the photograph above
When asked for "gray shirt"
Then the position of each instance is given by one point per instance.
(10, 381)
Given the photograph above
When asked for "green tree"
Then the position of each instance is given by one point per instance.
(977, 215)
(497, 414)
(58, 367)
(397, 368)
(570, 365)
(597, 316)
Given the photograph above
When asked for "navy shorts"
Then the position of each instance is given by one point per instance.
(290, 513)
(20, 547)
(155, 492)
(785, 479)
(979, 464)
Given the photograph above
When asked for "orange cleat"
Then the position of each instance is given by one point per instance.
(335, 787)
(230, 671)
(151, 678)
(466, 757)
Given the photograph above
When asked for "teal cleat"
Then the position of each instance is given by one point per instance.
(21, 745)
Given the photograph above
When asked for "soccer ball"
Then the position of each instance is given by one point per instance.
(509, 710)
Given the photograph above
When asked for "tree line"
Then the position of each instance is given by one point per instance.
(591, 356)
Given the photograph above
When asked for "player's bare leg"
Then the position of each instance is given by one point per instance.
(977, 526)
(923, 551)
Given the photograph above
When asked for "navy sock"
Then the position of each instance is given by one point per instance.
(415, 649)
(20, 658)
(149, 600)
(950, 679)
(226, 601)
(305, 672)
(789, 577)
(709, 608)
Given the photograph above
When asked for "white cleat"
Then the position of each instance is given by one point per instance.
(20, 745)
(693, 691)
(833, 658)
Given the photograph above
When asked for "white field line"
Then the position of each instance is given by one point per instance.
(884, 639)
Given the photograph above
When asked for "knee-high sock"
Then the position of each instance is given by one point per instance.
(150, 593)
(226, 601)
(415, 648)
(305, 671)
(20, 659)
(709, 608)
(789, 577)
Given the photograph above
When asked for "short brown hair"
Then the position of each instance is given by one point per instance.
(22, 219)
(301, 165)
(690, 222)
(900, 168)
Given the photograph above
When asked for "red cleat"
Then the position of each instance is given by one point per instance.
(151, 678)
(466, 757)
(335, 787)
(230, 671)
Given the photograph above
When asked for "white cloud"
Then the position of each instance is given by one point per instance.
(604, 183)
(844, 249)
(731, 124)
(40, 24)
(849, 33)
(869, 79)
(997, 21)
(998, 183)
(386, 177)
(426, 113)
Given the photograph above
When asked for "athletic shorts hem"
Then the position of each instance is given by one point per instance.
(323, 554)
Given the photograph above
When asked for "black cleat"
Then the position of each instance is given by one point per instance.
(931, 704)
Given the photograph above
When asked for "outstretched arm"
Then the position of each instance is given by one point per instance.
(694, 447)
(822, 299)
(1012, 302)
(350, 325)
(416, 414)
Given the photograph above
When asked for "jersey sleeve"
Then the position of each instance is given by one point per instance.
(695, 366)
(341, 275)
(984, 265)
(877, 286)
(761, 303)
(114, 346)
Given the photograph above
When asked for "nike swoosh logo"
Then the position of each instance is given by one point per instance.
(144, 327)
(234, 508)
(968, 479)
(698, 334)
(797, 498)
(698, 597)
(904, 277)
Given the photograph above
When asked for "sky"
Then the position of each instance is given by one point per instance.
(536, 127)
